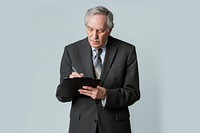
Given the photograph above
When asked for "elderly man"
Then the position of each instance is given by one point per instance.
(103, 109)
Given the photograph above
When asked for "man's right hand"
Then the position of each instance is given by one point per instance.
(76, 75)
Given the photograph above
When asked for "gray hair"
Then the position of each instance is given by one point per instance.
(101, 10)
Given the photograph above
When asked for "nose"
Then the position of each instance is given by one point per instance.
(95, 34)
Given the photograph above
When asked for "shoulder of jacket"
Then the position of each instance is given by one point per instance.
(120, 43)
(77, 43)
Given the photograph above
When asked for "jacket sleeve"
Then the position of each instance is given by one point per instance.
(65, 71)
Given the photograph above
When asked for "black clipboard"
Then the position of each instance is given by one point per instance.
(70, 86)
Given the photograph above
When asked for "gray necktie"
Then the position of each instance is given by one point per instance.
(97, 63)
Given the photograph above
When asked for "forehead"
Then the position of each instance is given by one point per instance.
(97, 21)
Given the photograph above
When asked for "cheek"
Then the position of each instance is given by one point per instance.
(104, 37)
(89, 33)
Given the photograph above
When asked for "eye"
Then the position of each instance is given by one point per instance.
(101, 31)
(89, 28)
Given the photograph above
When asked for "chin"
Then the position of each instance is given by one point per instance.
(96, 46)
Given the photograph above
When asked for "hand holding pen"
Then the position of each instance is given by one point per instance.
(75, 74)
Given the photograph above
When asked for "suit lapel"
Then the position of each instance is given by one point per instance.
(109, 58)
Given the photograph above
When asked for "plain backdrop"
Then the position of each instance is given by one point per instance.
(33, 35)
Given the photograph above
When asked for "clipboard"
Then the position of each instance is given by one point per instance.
(70, 86)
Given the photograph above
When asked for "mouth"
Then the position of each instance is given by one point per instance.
(94, 41)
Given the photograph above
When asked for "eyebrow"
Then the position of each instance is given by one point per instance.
(95, 29)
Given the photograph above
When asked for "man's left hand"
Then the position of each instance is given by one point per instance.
(95, 93)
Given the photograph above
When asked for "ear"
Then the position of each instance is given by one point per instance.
(109, 32)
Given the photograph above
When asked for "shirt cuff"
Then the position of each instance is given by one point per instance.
(103, 101)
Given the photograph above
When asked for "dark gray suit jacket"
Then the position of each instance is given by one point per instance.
(120, 78)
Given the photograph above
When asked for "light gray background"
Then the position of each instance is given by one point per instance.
(34, 33)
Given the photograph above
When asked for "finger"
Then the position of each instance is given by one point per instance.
(99, 87)
(81, 74)
(76, 75)
(88, 88)
(86, 92)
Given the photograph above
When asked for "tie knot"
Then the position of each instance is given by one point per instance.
(98, 51)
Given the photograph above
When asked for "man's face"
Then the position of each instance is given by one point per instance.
(97, 30)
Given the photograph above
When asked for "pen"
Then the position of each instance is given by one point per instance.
(74, 69)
